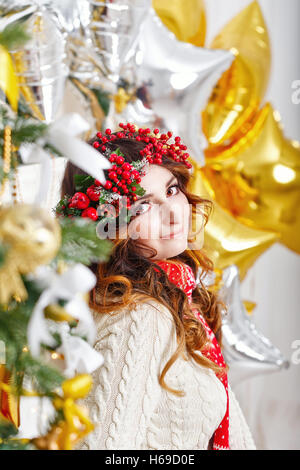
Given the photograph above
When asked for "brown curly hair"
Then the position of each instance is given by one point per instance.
(128, 277)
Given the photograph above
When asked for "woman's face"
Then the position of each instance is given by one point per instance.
(162, 216)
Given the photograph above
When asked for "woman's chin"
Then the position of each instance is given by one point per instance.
(172, 247)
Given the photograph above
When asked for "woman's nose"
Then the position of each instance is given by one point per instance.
(170, 214)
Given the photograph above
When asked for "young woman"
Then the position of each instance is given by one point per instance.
(163, 384)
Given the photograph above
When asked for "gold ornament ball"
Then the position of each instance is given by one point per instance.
(32, 228)
(32, 238)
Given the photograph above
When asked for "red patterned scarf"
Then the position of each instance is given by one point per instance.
(183, 277)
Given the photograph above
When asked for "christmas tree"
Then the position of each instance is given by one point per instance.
(45, 323)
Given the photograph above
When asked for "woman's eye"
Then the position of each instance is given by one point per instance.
(141, 208)
(144, 206)
(174, 186)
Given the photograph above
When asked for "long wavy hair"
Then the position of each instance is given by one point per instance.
(129, 277)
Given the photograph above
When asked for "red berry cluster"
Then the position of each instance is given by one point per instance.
(123, 177)
(123, 180)
(82, 202)
(157, 145)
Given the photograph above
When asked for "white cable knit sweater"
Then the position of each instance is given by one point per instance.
(128, 406)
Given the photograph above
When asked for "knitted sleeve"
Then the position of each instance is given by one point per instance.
(240, 437)
(126, 388)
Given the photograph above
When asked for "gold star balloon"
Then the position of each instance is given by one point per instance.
(188, 24)
(237, 95)
(227, 241)
(261, 174)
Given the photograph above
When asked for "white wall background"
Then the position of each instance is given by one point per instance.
(271, 403)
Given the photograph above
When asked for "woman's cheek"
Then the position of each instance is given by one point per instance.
(150, 225)
(182, 208)
(145, 226)
(186, 208)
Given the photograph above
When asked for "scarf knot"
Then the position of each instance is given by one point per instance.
(182, 275)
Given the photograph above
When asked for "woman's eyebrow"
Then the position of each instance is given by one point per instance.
(173, 178)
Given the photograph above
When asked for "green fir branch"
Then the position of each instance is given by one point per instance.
(82, 182)
(27, 131)
(7, 429)
(103, 98)
(18, 360)
(62, 208)
(80, 243)
(3, 250)
(51, 149)
(8, 441)
(24, 130)
(14, 35)
(16, 444)
(45, 379)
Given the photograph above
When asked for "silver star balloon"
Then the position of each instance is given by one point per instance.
(40, 63)
(102, 40)
(103, 34)
(73, 15)
(175, 81)
(246, 350)
(114, 30)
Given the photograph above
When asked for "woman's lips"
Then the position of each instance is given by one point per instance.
(173, 234)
